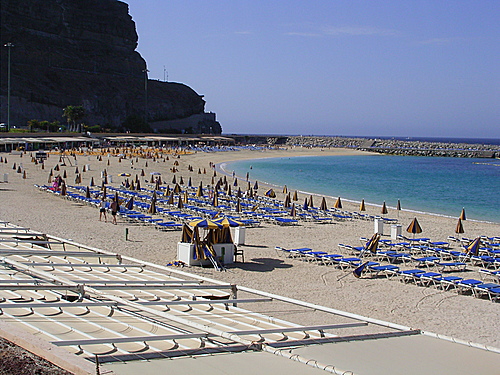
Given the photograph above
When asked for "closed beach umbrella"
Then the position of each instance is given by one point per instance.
(180, 204)
(384, 209)
(142, 173)
(130, 204)
(65, 175)
(199, 192)
(152, 207)
(323, 205)
(256, 185)
(186, 198)
(138, 185)
(293, 211)
(170, 200)
(473, 248)
(87, 193)
(76, 170)
(295, 197)
(228, 190)
(287, 202)
(238, 205)
(181, 181)
(177, 189)
(311, 201)
(459, 229)
(235, 183)
(215, 200)
(306, 205)
(285, 189)
(174, 180)
(399, 205)
(462, 215)
(338, 203)
(362, 206)
(63, 189)
(189, 182)
(414, 227)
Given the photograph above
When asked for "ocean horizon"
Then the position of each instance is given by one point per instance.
(435, 185)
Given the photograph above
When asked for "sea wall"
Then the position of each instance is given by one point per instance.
(400, 147)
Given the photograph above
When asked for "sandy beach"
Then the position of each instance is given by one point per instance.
(427, 308)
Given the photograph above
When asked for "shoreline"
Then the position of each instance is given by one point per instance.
(222, 167)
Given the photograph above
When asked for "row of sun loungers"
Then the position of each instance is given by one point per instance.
(442, 275)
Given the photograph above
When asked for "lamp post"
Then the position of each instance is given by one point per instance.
(9, 46)
(145, 71)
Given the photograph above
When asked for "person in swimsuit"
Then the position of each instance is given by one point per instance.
(102, 210)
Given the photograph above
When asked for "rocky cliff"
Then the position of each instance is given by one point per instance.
(82, 52)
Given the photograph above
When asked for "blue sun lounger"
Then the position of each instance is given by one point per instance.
(387, 270)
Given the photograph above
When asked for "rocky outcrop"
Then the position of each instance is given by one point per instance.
(82, 52)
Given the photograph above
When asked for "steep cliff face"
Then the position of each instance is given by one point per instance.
(81, 52)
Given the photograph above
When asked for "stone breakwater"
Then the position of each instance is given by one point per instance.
(399, 147)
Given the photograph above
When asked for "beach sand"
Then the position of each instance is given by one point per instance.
(430, 309)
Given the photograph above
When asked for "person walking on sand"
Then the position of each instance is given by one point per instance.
(114, 210)
(102, 210)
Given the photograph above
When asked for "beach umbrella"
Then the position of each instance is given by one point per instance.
(306, 205)
(323, 205)
(226, 222)
(459, 229)
(87, 193)
(138, 185)
(249, 186)
(181, 181)
(142, 173)
(63, 189)
(473, 247)
(199, 171)
(293, 211)
(270, 193)
(65, 175)
(295, 196)
(372, 244)
(204, 223)
(43, 165)
(398, 207)
(189, 182)
(108, 161)
(462, 215)
(285, 189)
(204, 171)
(146, 165)
(177, 189)
(187, 234)
(19, 170)
(199, 192)
(215, 200)
(76, 170)
(238, 205)
(229, 190)
(287, 202)
(384, 209)
(186, 198)
(362, 206)
(152, 207)
(50, 177)
(358, 271)
(414, 227)
(239, 194)
(24, 174)
(213, 181)
(215, 173)
(256, 185)
(124, 175)
(174, 180)
(338, 203)
(311, 201)
(235, 183)
(170, 200)
(130, 204)
(180, 204)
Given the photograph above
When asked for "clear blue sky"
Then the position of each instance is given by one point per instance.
(327, 67)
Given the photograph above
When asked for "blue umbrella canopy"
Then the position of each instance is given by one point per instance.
(204, 223)
(226, 222)
(473, 247)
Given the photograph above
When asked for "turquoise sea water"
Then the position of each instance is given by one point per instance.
(437, 185)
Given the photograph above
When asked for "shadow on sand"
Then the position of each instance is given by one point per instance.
(261, 265)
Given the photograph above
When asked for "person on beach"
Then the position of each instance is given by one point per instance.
(114, 210)
(102, 210)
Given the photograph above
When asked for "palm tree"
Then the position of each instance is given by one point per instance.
(73, 114)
